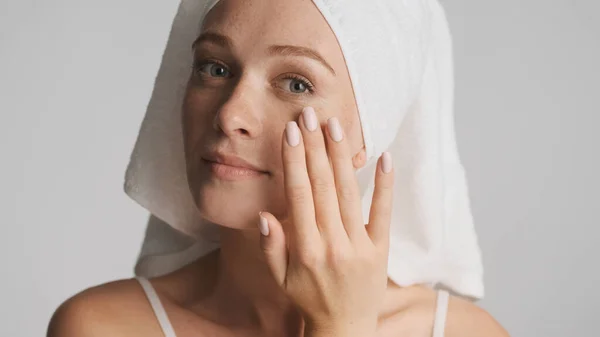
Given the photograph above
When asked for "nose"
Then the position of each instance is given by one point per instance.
(239, 116)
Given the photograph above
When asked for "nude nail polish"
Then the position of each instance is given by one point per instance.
(310, 118)
(386, 162)
(292, 134)
(263, 225)
(335, 129)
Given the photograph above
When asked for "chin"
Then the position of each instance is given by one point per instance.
(236, 204)
(230, 207)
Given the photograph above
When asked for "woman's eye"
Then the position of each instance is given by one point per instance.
(214, 69)
(297, 86)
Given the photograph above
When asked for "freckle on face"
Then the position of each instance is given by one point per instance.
(246, 117)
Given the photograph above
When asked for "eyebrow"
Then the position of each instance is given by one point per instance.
(218, 39)
(282, 50)
(288, 50)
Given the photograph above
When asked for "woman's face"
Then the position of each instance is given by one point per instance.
(257, 64)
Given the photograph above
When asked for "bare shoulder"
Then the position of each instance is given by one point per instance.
(466, 319)
(416, 316)
(111, 309)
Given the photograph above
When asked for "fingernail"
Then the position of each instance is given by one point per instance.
(310, 118)
(335, 130)
(263, 225)
(386, 162)
(292, 133)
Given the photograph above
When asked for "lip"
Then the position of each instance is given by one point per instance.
(231, 167)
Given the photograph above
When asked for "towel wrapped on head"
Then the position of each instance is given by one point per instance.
(405, 105)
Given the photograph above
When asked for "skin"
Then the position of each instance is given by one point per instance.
(239, 99)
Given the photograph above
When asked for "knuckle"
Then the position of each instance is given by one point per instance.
(386, 183)
(293, 159)
(309, 257)
(297, 193)
(346, 192)
(339, 256)
(313, 145)
(321, 185)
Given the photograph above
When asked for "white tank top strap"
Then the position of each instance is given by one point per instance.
(157, 307)
(441, 312)
(439, 322)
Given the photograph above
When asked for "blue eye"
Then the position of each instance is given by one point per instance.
(298, 85)
(213, 69)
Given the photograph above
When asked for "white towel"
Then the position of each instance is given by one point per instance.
(405, 104)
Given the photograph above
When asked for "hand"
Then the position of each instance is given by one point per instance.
(333, 267)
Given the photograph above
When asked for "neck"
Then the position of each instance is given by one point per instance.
(246, 288)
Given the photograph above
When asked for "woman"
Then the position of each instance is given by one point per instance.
(271, 123)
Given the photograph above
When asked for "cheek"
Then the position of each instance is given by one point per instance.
(195, 123)
(194, 115)
(270, 153)
(198, 112)
(351, 119)
(344, 108)
(355, 137)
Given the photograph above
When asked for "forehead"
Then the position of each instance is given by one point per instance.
(254, 24)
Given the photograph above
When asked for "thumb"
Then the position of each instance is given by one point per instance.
(272, 242)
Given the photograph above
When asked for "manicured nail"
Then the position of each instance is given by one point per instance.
(263, 225)
(335, 130)
(292, 133)
(386, 162)
(310, 118)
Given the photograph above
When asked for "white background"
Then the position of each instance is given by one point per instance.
(75, 78)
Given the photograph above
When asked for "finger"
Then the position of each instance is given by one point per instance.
(272, 242)
(348, 193)
(321, 178)
(298, 193)
(380, 214)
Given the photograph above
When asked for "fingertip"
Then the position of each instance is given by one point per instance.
(267, 216)
(273, 246)
(292, 134)
(269, 224)
(382, 202)
(263, 224)
(386, 163)
(335, 129)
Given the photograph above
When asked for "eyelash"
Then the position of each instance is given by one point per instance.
(197, 66)
(309, 86)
